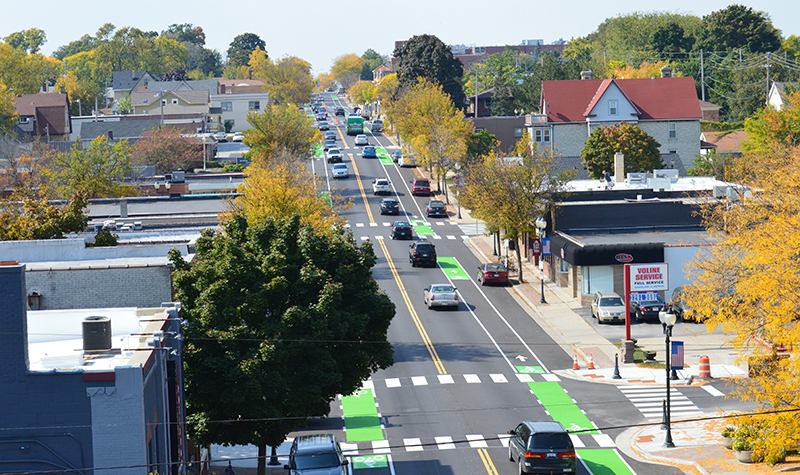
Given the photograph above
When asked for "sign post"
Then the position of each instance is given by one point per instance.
(641, 278)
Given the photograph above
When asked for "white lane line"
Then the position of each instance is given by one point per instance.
(387, 224)
(446, 379)
(712, 390)
(393, 383)
(419, 380)
(445, 443)
(379, 237)
(551, 377)
(472, 378)
(359, 225)
(365, 238)
(477, 441)
(576, 441)
(504, 438)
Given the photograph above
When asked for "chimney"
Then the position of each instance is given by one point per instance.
(586, 74)
(222, 89)
(666, 72)
(14, 321)
(62, 90)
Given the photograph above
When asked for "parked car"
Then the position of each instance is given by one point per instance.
(361, 139)
(647, 309)
(407, 161)
(401, 229)
(421, 186)
(316, 454)
(376, 126)
(608, 307)
(492, 272)
(323, 125)
(380, 186)
(339, 111)
(334, 155)
(422, 253)
(397, 155)
(369, 152)
(390, 206)
(542, 447)
(237, 137)
(436, 208)
(221, 137)
(329, 143)
(340, 171)
(440, 295)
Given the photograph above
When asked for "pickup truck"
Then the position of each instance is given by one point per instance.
(377, 125)
(380, 186)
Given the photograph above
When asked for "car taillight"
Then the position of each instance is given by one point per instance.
(535, 455)
(455, 297)
(565, 455)
(433, 297)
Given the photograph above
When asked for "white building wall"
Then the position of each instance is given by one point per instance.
(240, 107)
(679, 259)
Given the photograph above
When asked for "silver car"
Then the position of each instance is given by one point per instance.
(440, 295)
(608, 307)
(340, 171)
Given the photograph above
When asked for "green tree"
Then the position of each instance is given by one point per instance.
(167, 149)
(278, 130)
(32, 219)
(711, 164)
(269, 309)
(97, 171)
(371, 60)
(427, 57)
(479, 145)
(124, 104)
(739, 26)
(241, 47)
(770, 127)
(8, 111)
(288, 80)
(640, 149)
(671, 38)
(29, 41)
(185, 33)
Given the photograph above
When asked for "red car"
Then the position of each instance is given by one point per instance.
(421, 186)
(492, 273)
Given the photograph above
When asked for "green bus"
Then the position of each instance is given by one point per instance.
(355, 124)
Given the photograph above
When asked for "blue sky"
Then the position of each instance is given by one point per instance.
(319, 31)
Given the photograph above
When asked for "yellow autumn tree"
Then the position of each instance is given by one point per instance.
(748, 285)
(644, 70)
(384, 91)
(278, 129)
(347, 69)
(362, 92)
(324, 81)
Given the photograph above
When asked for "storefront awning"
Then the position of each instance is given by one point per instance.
(605, 254)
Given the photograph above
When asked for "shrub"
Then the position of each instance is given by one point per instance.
(728, 431)
(740, 445)
(104, 237)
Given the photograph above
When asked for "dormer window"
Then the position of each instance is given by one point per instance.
(612, 108)
(174, 101)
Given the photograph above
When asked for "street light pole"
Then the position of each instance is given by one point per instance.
(541, 223)
(668, 321)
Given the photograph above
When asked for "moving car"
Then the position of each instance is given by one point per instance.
(381, 185)
(316, 454)
(323, 125)
(362, 139)
(329, 134)
(339, 111)
(542, 447)
(422, 253)
(340, 171)
(421, 186)
(376, 126)
(407, 161)
(329, 143)
(608, 307)
(647, 309)
(401, 229)
(334, 155)
(440, 295)
(492, 272)
(369, 152)
(436, 208)
(390, 206)
(321, 115)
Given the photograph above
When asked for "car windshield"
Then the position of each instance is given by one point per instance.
(340, 166)
(549, 441)
(611, 302)
(334, 151)
(389, 201)
(495, 267)
(424, 247)
(321, 460)
(441, 288)
(421, 182)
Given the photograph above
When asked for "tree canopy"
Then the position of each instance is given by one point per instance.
(739, 26)
(280, 129)
(288, 80)
(35, 218)
(285, 319)
(640, 149)
(347, 69)
(427, 57)
(241, 47)
(167, 149)
(96, 171)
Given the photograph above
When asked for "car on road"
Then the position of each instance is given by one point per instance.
(492, 273)
(361, 139)
(422, 253)
(390, 206)
(440, 295)
(376, 125)
(316, 454)
(401, 229)
(340, 171)
(339, 111)
(608, 307)
(323, 125)
(329, 143)
(321, 115)
(436, 208)
(369, 152)
(334, 155)
(647, 309)
(397, 155)
(421, 187)
(329, 134)
(380, 186)
(542, 447)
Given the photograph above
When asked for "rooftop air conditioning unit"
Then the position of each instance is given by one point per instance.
(640, 178)
(96, 334)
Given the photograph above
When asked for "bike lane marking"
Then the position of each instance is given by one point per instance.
(383, 155)
(604, 462)
(452, 269)
(361, 419)
(421, 228)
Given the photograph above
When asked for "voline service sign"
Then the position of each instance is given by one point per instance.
(649, 277)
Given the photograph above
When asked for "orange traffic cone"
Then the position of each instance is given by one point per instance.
(575, 363)
(591, 361)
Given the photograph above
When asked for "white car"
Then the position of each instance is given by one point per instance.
(334, 155)
(380, 186)
(340, 171)
(237, 137)
(440, 295)
(362, 139)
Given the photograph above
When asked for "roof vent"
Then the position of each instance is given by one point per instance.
(96, 334)
(666, 72)
(586, 74)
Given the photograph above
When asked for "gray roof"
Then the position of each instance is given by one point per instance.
(125, 80)
(210, 85)
(123, 129)
(191, 97)
(576, 163)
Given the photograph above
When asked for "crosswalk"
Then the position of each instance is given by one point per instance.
(649, 401)
(385, 225)
(446, 379)
(448, 442)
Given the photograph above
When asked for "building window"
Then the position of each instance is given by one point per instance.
(227, 106)
(597, 279)
(163, 102)
(175, 101)
(541, 135)
(673, 130)
(612, 107)
(517, 132)
(254, 105)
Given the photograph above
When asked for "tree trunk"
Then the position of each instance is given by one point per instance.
(446, 196)
(262, 460)
(519, 262)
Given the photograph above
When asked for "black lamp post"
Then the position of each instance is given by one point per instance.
(667, 322)
(541, 223)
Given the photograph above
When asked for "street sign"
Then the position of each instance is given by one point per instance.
(643, 296)
(649, 277)
(546, 246)
(536, 247)
(676, 355)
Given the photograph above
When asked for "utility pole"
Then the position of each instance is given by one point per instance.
(476, 91)
(767, 66)
(702, 77)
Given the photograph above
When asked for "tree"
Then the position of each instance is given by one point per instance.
(427, 57)
(277, 130)
(791, 46)
(642, 70)
(479, 145)
(22, 170)
(510, 193)
(371, 60)
(272, 306)
(671, 38)
(96, 171)
(185, 33)
(347, 69)
(385, 89)
(287, 80)
(8, 110)
(167, 149)
(324, 81)
(29, 41)
(770, 127)
(241, 47)
(711, 164)
(738, 26)
(640, 149)
(362, 92)
(125, 104)
(32, 219)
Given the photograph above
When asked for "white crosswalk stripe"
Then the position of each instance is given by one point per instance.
(445, 442)
(496, 378)
(451, 237)
(448, 442)
(419, 380)
(381, 447)
(477, 441)
(413, 445)
(446, 379)
(649, 401)
(472, 378)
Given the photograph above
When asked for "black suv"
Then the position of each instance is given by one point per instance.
(436, 208)
(422, 253)
(317, 454)
(542, 447)
(340, 111)
(390, 206)
(401, 229)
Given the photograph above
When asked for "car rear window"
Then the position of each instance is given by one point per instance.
(441, 288)
(495, 267)
(549, 441)
(421, 182)
(611, 302)
(424, 247)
